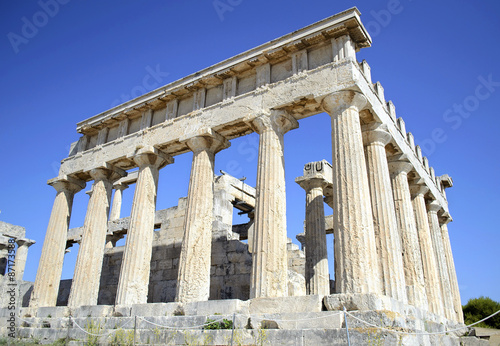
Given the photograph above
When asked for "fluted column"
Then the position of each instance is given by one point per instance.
(117, 201)
(356, 266)
(457, 304)
(269, 275)
(4, 256)
(443, 273)
(412, 259)
(115, 212)
(21, 256)
(316, 268)
(85, 285)
(135, 268)
(50, 266)
(429, 263)
(387, 237)
(193, 283)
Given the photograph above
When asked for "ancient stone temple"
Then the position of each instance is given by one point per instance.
(392, 254)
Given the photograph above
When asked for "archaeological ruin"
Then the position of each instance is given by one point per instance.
(392, 256)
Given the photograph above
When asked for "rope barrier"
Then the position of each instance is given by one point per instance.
(345, 312)
(418, 333)
(99, 335)
(180, 328)
(297, 320)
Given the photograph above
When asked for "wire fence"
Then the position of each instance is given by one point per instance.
(351, 314)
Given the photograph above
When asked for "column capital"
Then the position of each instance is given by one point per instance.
(376, 133)
(311, 182)
(399, 164)
(67, 183)
(207, 140)
(279, 121)
(418, 189)
(339, 101)
(434, 206)
(150, 156)
(107, 172)
(25, 241)
(120, 186)
(445, 218)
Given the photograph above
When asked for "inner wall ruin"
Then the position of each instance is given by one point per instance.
(390, 212)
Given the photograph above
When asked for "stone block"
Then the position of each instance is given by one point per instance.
(122, 310)
(154, 309)
(54, 312)
(211, 307)
(312, 303)
(362, 302)
(93, 311)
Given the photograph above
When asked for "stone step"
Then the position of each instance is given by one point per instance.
(302, 337)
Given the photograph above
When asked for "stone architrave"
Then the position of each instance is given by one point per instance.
(21, 256)
(85, 285)
(457, 303)
(135, 268)
(193, 283)
(269, 274)
(356, 262)
(49, 272)
(412, 259)
(432, 286)
(388, 240)
(439, 251)
(316, 267)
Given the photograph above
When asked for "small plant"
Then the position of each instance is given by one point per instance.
(122, 337)
(260, 336)
(94, 329)
(213, 325)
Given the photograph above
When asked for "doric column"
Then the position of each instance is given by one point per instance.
(429, 264)
(117, 201)
(135, 268)
(387, 238)
(457, 304)
(193, 283)
(85, 285)
(316, 270)
(412, 259)
(4, 254)
(357, 269)
(21, 256)
(269, 277)
(115, 211)
(50, 266)
(442, 267)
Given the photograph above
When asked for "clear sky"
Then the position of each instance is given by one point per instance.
(437, 61)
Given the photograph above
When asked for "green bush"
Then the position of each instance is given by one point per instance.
(478, 308)
(212, 324)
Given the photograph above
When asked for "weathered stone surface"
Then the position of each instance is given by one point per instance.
(442, 265)
(51, 261)
(312, 303)
(269, 264)
(356, 268)
(85, 287)
(387, 238)
(429, 264)
(457, 304)
(135, 267)
(412, 259)
(193, 283)
(317, 275)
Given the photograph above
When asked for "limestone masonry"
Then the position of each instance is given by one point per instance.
(392, 251)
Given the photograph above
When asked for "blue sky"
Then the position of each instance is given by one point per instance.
(60, 65)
